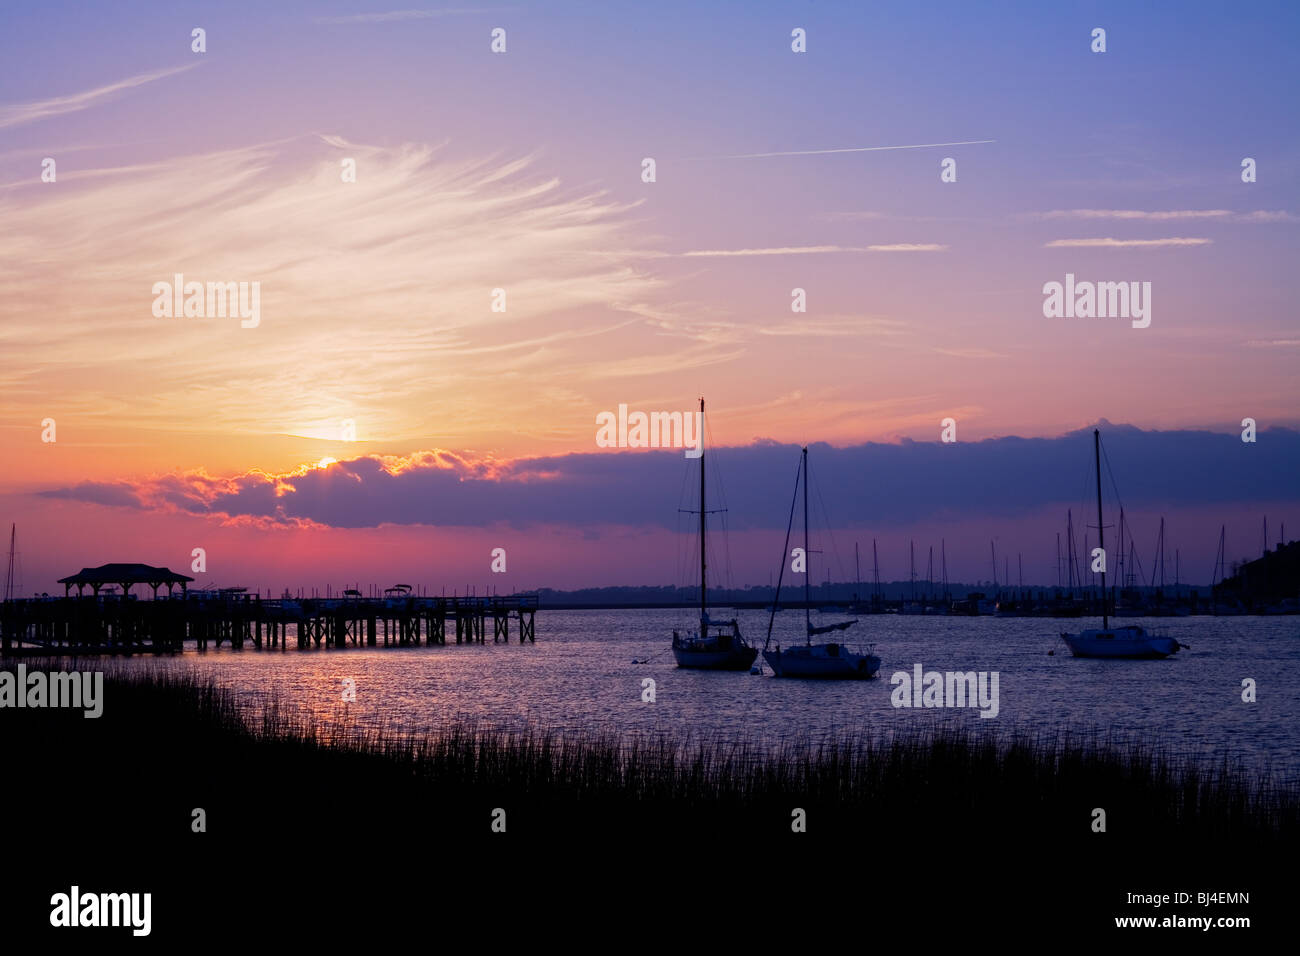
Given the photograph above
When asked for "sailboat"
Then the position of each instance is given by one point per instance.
(11, 590)
(824, 661)
(717, 645)
(1129, 641)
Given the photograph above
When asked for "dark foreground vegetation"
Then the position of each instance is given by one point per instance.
(167, 743)
(112, 796)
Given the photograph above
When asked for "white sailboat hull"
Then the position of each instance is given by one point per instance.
(822, 662)
(1120, 642)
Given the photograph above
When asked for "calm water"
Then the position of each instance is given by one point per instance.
(580, 675)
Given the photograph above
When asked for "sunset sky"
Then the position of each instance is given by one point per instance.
(522, 171)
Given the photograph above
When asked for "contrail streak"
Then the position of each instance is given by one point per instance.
(847, 149)
(21, 113)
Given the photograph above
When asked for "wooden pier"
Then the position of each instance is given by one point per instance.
(109, 624)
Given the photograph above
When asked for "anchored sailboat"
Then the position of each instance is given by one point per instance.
(717, 645)
(825, 661)
(1130, 641)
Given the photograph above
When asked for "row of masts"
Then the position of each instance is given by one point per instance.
(1128, 567)
(876, 593)
(1068, 572)
(1070, 575)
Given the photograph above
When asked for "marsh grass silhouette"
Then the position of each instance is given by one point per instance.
(328, 820)
(169, 741)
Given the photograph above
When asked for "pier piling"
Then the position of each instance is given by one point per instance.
(111, 624)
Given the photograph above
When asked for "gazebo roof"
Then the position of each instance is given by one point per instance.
(126, 574)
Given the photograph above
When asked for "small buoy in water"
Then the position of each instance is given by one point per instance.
(1051, 653)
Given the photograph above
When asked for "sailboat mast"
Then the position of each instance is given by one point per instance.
(943, 553)
(1092, 578)
(857, 573)
(704, 581)
(875, 571)
(1101, 534)
(1162, 552)
(1119, 571)
(1219, 557)
(1071, 560)
(785, 551)
(9, 579)
(807, 613)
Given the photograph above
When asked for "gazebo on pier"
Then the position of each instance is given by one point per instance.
(124, 575)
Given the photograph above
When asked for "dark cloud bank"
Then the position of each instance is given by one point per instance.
(876, 485)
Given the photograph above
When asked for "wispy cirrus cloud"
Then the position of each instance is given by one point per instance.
(1110, 243)
(909, 247)
(835, 326)
(21, 113)
(1268, 215)
(1152, 215)
(772, 251)
(375, 295)
(814, 250)
(872, 215)
(76, 175)
(845, 149)
(1165, 215)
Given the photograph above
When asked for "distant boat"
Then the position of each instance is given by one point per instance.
(1129, 641)
(394, 597)
(823, 661)
(717, 645)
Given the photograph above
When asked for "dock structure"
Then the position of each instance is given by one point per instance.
(120, 624)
